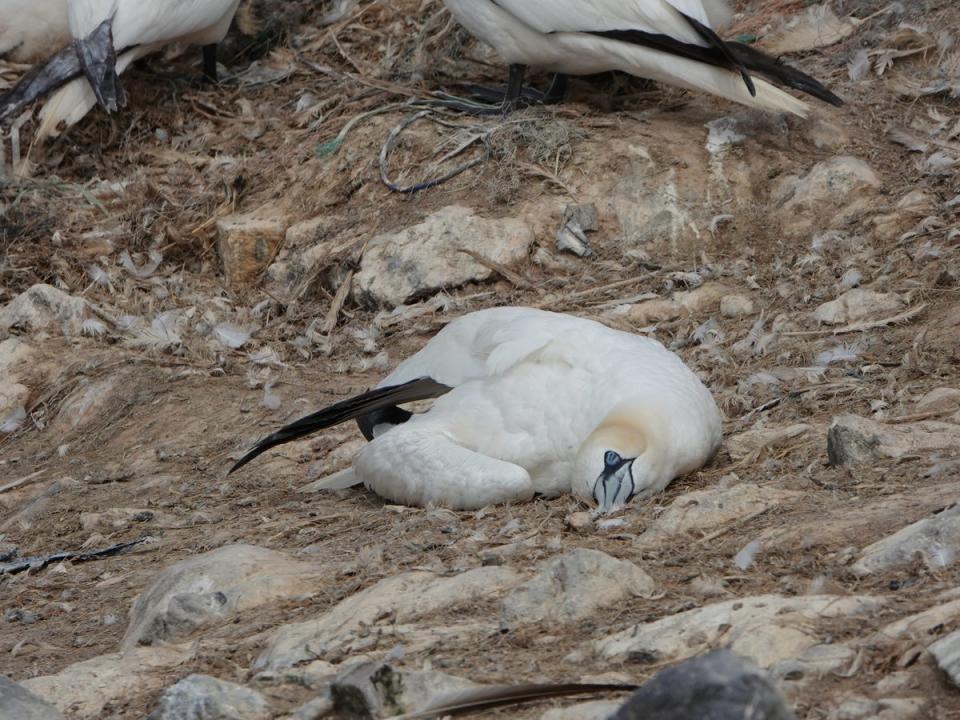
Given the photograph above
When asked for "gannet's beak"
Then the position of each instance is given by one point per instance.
(615, 486)
(98, 58)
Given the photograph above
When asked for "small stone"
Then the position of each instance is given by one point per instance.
(247, 243)
(579, 521)
(852, 439)
(943, 399)
(577, 221)
(314, 709)
(416, 262)
(212, 586)
(19, 615)
(8, 551)
(201, 697)
(935, 539)
(596, 710)
(719, 685)
(377, 689)
(946, 651)
(858, 304)
(573, 586)
(735, 306)
(42, 307)
(18, 703)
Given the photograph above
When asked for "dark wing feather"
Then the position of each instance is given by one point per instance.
(781, 72)
(352, 408)
(483, 698)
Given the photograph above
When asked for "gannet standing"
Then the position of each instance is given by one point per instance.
(31, 30)
(109, 35)
(670, 41)
(528, 401)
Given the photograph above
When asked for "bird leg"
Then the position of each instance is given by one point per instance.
(504, 100)
(98, 58)
(210, 62)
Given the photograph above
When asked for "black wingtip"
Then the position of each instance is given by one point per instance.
(40, 80)
(780, 72)
(98, 58)
(373, 401)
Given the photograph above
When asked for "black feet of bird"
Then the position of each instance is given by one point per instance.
(503, 100)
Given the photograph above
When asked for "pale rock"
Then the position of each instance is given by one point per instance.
(201, 697)
(829, 189)
(401, 598)
(13, 395)
(683, 303)
(211, 587)
(858, 707)
(420, 260)
(920, 625)
(935, 539)
(42, 307)
(120, 518)
(814, 664)
(939, 400)
(718, 685)
(946, 652)
(377, 689)
(594, 710)
(18, 703)
(315, 709)
(735, 306)
(325, 238)
(573, 586)
(858, 304)
(14, 353)
(95, 399)
(766, 628)
(854, 439)
(751, 443)
(702, 510)
(247, 243)
(84, 689)
(897, 682)
(909, 210)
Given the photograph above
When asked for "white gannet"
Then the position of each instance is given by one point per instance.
(31, 30)
(670, 41)
(109, 35)
(528, 401)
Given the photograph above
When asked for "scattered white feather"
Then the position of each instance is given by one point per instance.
(231, 336)
(128, 322)
(744, 559)
(93, 327)
(510, 528)
(708, 333)
(271, 400)
(611, 523)
(761, 378)
(148, 269)
(816, 585)
(942, 556)
(62, 450)
(859, 67)
(719, 220)
(837, 354)
(851, 279)
(99, 276)
(267, 357)
(13, 419)
(747, 344)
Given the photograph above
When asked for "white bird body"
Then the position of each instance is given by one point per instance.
(538, 400)
(140, 27)
(560, 36)
(30, 30)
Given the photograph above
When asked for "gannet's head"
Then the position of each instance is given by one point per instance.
(618, 461)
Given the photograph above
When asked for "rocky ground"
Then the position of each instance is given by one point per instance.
(182, 278)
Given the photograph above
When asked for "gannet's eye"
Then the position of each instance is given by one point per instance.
(611, 459)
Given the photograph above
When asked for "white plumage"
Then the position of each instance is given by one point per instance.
(32, 29)
(646, 38)
(540, 403)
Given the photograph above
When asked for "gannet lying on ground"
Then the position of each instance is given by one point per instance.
(109, 35)
(671, 41)
(31, 30)
(528, 401)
